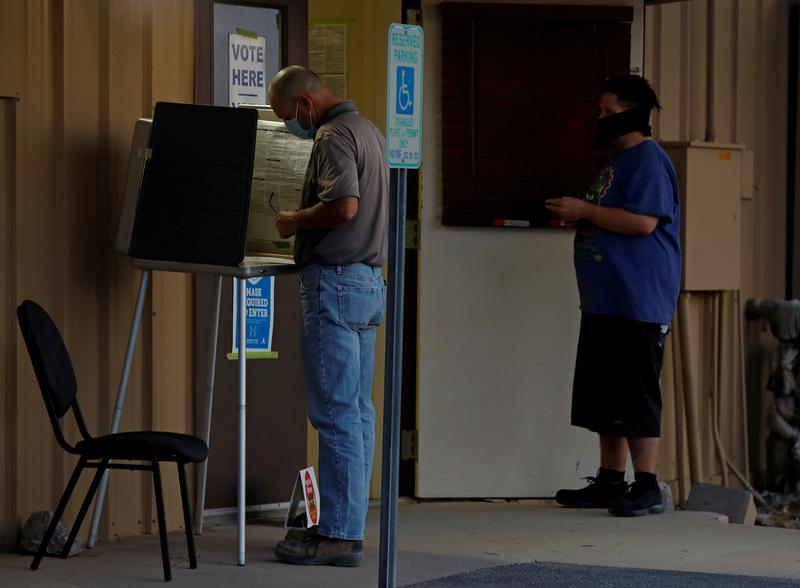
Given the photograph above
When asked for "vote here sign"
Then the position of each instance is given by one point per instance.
(247, 81)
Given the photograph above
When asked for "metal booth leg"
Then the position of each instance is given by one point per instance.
(206, 407)
(242, 412)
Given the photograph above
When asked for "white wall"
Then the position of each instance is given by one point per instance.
(498, 326)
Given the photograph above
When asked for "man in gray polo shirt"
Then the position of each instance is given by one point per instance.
(340, 244)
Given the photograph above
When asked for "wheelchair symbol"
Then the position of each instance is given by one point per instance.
(405, 90)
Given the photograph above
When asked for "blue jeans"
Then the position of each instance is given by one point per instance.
(341, 308)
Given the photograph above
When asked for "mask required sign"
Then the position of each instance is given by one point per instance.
(404, 96)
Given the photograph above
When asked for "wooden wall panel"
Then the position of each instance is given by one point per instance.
(173, 310)
(75, 130)
(12, 37)
(127, 80)
(771, 177)
(652, 35)
(669, 122)
(39, 256)
(173, 294)
(671, 414)
(8, 336)
(747, 68)
(750, 89)
(724, 72)
(763, 217)
(697, 69)
(84, 70)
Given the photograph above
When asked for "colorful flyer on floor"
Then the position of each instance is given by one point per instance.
(305, 493)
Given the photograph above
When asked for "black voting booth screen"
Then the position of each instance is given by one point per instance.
(195, 193)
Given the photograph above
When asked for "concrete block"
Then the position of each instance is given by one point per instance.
(33, 532)
(736, 503)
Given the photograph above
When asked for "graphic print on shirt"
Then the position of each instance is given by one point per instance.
(595, 194)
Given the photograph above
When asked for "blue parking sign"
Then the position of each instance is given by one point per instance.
(405, 90)
(404, 96)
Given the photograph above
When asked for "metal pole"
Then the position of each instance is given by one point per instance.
(391, 394)
(123, 387)
(242, 410)
(205, 427)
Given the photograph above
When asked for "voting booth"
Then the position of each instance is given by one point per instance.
(279, 170)
(221, 218)
(203, 184)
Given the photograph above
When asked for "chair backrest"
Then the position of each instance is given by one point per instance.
(51, 363)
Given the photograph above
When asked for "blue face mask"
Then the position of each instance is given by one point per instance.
(295, 128)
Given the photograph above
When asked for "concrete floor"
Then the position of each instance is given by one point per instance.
(438, 539)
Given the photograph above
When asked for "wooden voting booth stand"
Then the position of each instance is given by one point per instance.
(186, 210)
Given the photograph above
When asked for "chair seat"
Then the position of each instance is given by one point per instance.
(145, 445)
(59, 388)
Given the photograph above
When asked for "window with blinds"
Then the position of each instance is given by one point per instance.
(519, 87)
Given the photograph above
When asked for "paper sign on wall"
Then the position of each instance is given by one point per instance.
(305, 492)
(327, 55)
(247, 73)
(259, 316)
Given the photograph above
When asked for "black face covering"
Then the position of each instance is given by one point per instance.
(615, 125)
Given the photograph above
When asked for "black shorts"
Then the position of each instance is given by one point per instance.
(616, 390)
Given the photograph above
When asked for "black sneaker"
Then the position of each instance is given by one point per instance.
(313, 549)
(643, 498)
(600, 493)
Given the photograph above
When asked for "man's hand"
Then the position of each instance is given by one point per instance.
(569, 209)
(286, 223)
(610, 218)
(323, 215)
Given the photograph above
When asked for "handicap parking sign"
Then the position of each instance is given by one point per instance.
(404, 96)
(405, 90)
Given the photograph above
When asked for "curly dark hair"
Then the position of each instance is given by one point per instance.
(632, 91)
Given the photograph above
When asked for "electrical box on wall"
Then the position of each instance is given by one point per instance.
(710, 184)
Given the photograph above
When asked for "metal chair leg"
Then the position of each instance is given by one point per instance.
(162, 521)
(187, 520)
(62, 504)
(84, 508)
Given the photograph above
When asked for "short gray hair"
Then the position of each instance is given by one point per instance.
(292, 81)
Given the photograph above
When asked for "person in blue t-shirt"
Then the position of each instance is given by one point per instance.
(628, 267)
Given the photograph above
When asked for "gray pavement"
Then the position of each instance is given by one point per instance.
(439, 540)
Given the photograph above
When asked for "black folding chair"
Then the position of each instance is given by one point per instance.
(56, 377)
